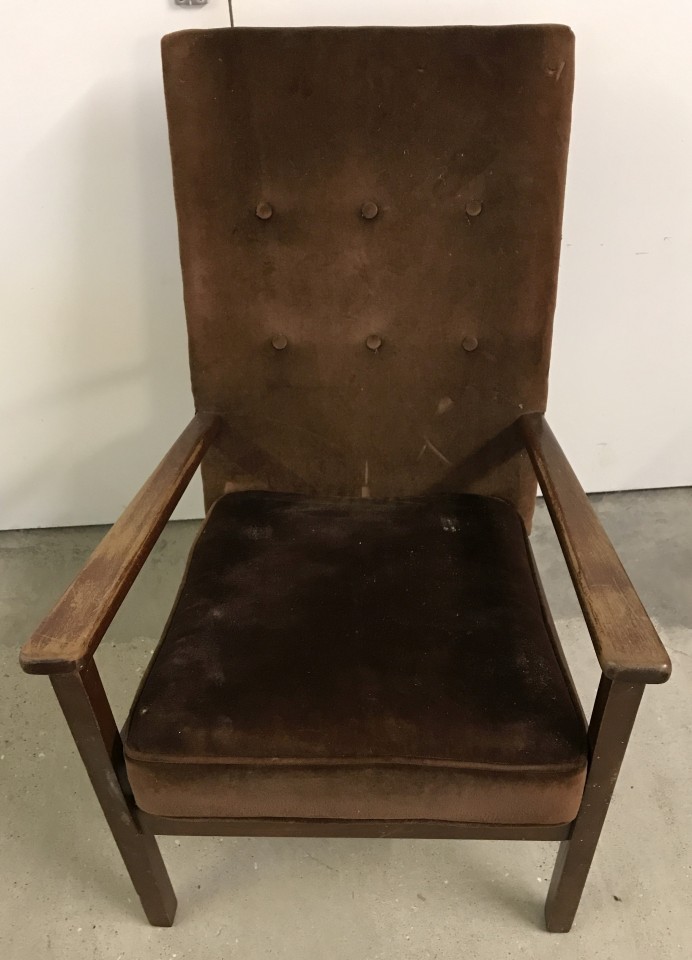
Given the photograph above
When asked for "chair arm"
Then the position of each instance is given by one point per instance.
(626, 643)
(72, 631)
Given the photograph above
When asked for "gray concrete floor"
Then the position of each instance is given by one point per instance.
(65, 894)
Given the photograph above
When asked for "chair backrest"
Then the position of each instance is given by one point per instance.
(369, 228)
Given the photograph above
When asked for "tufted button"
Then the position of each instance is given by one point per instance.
(369, 210)
(279, 342)
(264, 210)
(373, 342)
(469, 344)
(474, 207)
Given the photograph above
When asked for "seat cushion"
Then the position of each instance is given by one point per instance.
(359, 659)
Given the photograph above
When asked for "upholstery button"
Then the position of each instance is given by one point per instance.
(469, 344)
(373, 342)
(264, 210)
(474, 207)
(279, 342)
(369, 210)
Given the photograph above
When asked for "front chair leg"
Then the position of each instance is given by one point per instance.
(611, 724)
(88, 714)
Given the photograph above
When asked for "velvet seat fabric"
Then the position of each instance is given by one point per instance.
(374, 659)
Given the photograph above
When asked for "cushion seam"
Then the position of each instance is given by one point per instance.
(563, 766)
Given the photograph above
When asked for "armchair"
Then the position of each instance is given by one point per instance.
(369, 229)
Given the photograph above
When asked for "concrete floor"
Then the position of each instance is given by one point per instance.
(65, 893)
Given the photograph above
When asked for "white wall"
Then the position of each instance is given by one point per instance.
(93, 368)
(93, 383)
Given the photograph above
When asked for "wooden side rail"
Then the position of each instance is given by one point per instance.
(626, 642)
(72, 631)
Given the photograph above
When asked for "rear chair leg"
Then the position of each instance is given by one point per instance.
(88, 714)
(609, 730)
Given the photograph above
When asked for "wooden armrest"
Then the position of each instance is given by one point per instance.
(73, 629)
(626, 642)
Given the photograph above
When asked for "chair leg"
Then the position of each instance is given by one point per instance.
(88, 714)
(611, 724)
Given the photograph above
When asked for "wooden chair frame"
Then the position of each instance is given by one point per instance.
(628, 648)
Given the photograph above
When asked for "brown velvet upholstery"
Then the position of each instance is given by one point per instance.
(459, 135)
(358, 659)
(369, 230)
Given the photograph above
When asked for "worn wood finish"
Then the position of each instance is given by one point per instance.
(74, 627)
(624, 637)
(88, 714)
(609, 731)
(411, 829)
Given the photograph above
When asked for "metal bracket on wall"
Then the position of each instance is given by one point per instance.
(202, 3)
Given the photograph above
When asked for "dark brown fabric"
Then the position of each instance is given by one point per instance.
(358, 658)
(459, 135)
(360, 792)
